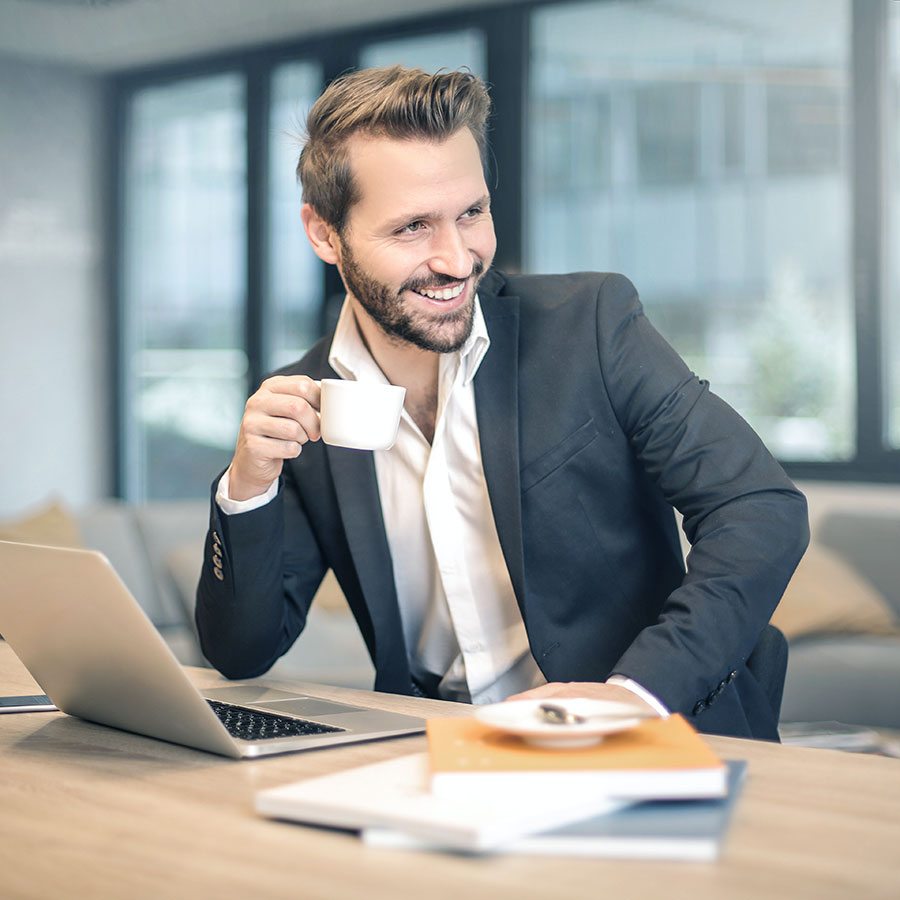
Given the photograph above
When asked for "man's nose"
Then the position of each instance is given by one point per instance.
(450, 254)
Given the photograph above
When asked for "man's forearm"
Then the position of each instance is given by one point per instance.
(241, 611)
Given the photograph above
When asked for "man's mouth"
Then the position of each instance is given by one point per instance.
(449, 293)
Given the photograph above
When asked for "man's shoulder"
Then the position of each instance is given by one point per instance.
(551, 288)
(607, 294)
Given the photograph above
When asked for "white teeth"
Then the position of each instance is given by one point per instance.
(446, 294)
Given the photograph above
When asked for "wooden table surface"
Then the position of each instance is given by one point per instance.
(87, 811)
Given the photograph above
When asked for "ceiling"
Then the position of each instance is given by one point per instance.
(111, 35)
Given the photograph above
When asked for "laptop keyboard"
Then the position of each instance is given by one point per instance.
(253, 725)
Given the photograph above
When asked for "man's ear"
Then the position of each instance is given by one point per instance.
(324, 239)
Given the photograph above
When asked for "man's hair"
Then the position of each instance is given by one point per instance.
(393, 102)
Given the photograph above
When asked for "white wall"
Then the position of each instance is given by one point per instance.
(54, 395)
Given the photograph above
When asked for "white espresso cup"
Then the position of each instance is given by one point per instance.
(360, 415)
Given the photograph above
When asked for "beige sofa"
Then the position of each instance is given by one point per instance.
(841, 612)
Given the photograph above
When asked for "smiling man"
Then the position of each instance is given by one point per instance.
(519, 538)
(411, 253)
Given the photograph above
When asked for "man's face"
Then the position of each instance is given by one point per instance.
(418, 240)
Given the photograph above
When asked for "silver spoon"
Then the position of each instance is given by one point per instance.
(555, 714)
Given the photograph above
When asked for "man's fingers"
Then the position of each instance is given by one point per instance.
(265, 448)
(288, 421)
(286, 406)
(296, 385)
(278, 420)
(293, 398)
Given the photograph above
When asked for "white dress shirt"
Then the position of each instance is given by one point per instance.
(459, 613)
(460, 617)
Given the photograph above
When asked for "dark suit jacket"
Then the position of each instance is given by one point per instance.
(591, 430)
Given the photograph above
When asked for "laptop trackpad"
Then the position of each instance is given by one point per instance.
(307, 707)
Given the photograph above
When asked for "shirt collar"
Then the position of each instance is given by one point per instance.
(350, 357)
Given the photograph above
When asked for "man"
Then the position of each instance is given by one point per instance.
(519, 539)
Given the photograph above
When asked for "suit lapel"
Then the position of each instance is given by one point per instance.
(353, 472)
(356, 487)
(497, 405)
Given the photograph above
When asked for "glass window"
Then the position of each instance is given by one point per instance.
(184, 240)
(444, 50)
(732, 133)
(803, 127)
(294, 276)
(572, 148)
(892, 332)
(667, 132)
(720, 186)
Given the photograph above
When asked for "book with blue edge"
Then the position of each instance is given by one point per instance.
(690, 830)
(490, 802)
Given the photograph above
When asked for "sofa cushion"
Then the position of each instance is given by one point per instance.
(843, 678)
(183, 564)
(52, 525)
(109, 526)
(827, 595)
(164, 527)
(869, 542)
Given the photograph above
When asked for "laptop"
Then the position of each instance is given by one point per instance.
(87, 642)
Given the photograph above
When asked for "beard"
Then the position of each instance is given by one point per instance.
(444, 334)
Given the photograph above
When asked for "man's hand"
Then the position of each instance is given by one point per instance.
(593, 689)
(278, 420)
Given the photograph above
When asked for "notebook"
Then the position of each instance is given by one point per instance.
(691, 830)
(395, 795)
(86, 641)
(659, 759)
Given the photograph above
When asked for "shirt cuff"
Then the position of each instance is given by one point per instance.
(233, 507)
(641, 692)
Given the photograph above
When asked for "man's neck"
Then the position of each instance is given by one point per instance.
(406, 365)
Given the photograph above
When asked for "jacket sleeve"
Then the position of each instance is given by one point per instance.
(746, 522)
(252, 600)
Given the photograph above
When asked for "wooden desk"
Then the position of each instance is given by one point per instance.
(87, 811)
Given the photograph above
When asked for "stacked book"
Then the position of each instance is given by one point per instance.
(656, 790)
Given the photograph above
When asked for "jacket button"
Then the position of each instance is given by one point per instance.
(699, 706)
(218, 573)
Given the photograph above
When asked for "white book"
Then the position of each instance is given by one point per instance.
(395, 794)
(690, 830)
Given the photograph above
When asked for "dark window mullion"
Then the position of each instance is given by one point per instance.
(117, 98)
(868, 102)
(338, 56)
(257, 111)
(507, 33)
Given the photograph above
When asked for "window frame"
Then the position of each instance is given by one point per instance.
(507, 38)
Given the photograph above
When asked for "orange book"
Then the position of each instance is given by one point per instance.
(658, 759)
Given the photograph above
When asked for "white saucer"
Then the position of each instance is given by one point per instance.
(523, 718)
